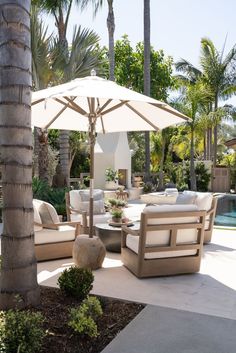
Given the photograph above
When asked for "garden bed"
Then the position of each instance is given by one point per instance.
(60, 337)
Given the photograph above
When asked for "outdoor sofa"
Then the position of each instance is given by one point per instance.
(169, 241)
(53, 239)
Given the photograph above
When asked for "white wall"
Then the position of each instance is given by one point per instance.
(111, 150)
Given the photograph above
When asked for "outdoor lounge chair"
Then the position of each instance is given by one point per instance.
(169, 241)
(53, 239)
(77, 208)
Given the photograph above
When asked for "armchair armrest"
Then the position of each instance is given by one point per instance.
(127, 230)
(55, 226)
(124, 231)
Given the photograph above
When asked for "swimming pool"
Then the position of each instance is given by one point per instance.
(226, 211)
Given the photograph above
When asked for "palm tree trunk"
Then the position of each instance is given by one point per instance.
(43, 156)
(161, 172)
(147, 79)
(193, 183)
(19, 267)
(64, 155)
(111, 30)
(215, 135)
(36, 153)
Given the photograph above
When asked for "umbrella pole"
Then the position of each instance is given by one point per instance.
(91, 183)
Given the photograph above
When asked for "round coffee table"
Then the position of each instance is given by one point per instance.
(111, 236)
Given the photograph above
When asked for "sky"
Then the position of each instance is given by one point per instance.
(177, 26)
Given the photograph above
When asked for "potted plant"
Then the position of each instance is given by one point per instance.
(111, 177)
(117, 214)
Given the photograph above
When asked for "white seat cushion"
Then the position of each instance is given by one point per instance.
(132, 243)
(46, 236)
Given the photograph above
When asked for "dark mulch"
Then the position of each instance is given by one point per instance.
(61, 339)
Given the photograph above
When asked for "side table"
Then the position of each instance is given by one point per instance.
(111, 236)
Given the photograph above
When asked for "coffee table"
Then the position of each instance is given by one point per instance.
(111, 236)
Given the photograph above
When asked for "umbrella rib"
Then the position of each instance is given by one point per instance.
(38, 101)
(75, 106)
(102, 122)
(104, 106)
(142, 116)
(174, 112)
(56, 116)
(114, 107)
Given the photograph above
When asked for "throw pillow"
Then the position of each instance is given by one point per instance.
(98, 207)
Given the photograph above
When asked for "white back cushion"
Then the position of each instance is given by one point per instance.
(203, 199)
(46, 212)
(162, 237)
(79, 200)
(37, 217)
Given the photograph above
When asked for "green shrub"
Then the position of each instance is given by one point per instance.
(76, 282)
(112, 202)
(21, 331)
(147, 187)
(82, 320)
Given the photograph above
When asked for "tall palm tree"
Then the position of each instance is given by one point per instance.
(193, 100)
(217, 72)
(42, 77)
(147, 77)
(61, 10)
(19, 267)
(98, 4)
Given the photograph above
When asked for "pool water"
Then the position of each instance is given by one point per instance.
(226, 211)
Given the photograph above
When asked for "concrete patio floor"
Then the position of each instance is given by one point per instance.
(193, 313)
(212, 291)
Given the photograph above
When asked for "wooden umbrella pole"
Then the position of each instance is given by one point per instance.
(92, 121)
(91, 187)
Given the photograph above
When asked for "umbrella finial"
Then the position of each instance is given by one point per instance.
(93, 72)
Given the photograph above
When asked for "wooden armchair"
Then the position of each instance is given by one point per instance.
(77, 207)
(210, 218)
(53, 239)
(169, 241)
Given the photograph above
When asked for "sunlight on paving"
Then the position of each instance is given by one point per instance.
(220, 265)
(111, 263)
(44, 275)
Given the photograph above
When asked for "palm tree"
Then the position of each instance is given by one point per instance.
(61, 10)
(218, 73)
(194, 98)
(19, 266)
(97, 4)
(147, 79)
(70, 61)
(42, 77)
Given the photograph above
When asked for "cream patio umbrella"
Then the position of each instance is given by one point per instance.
(98, 105)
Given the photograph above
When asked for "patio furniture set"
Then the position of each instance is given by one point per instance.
(164, 239)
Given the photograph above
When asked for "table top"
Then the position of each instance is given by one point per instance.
(135, 226)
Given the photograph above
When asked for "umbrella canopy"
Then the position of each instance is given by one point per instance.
(98, 105)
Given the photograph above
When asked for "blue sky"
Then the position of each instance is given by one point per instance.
(177, 26)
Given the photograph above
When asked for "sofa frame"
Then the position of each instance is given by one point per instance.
(142, 267)
(51, 251)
